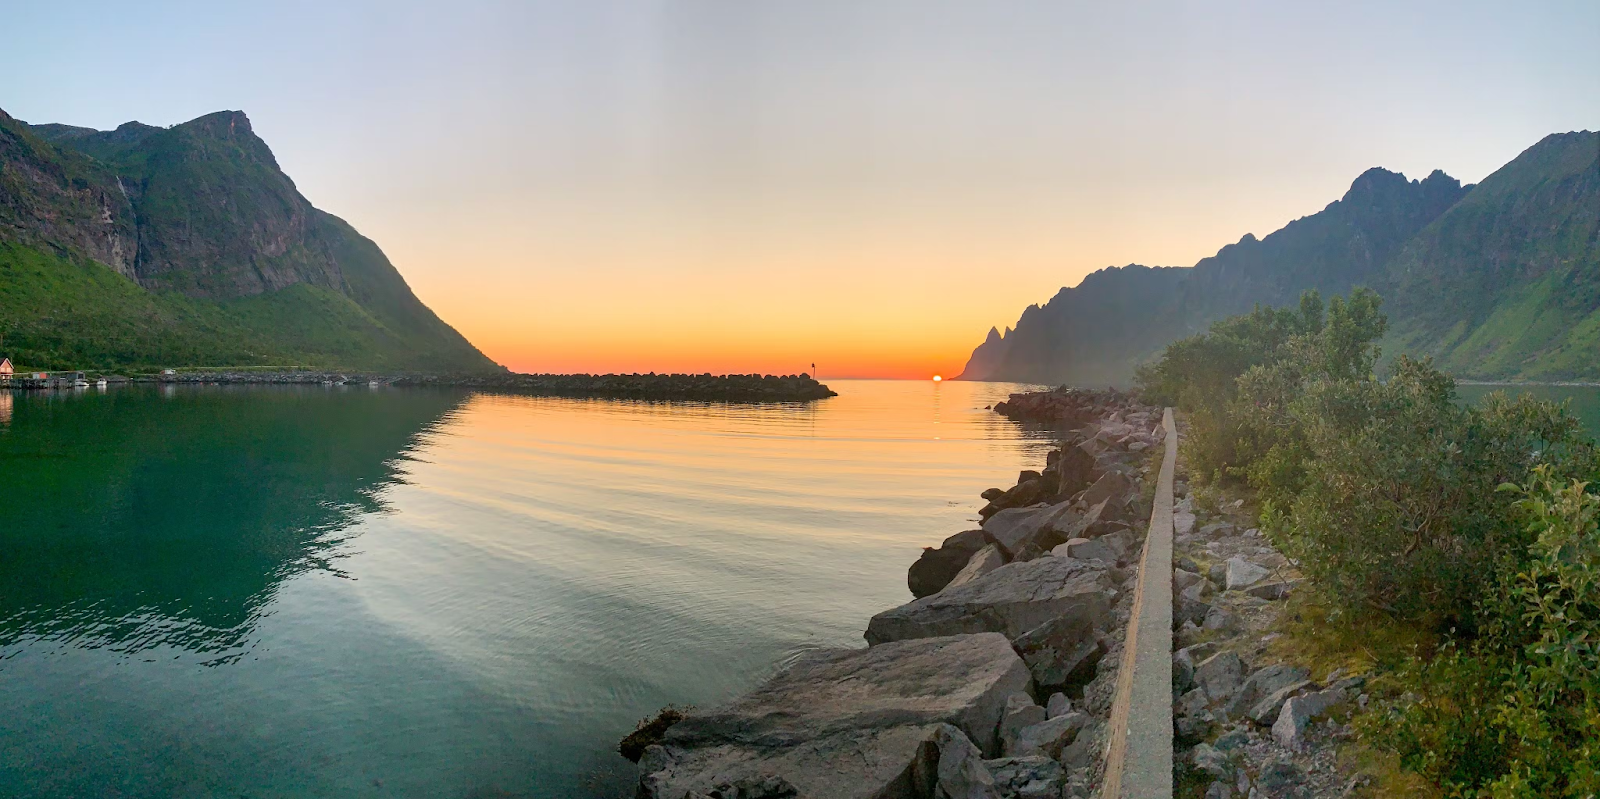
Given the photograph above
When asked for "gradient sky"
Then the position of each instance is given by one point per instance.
(754, 186)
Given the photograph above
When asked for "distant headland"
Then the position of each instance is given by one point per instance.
(652, 386)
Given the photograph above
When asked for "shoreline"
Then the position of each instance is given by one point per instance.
(999, 679)
(701, 387)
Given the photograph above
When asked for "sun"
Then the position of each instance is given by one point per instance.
(937, 378)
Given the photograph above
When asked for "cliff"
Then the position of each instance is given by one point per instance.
(188, 245)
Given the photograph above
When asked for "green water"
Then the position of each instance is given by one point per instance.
(210, 592)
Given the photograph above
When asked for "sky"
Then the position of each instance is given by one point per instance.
(747, 186)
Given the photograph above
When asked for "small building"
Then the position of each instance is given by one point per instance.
(169, 372)
(5, 370)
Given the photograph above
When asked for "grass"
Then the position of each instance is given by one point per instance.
(60, 312)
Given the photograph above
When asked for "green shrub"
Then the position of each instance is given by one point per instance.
(1399, 501)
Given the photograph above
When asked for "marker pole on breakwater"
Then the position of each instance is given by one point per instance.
(1139, 757)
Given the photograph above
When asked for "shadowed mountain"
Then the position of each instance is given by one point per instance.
(150, 517)
(1096, 332)
(221, 260)
(1499, 280)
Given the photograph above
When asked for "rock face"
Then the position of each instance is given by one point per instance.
(1061, 649)
(1011, 600)
(1021, 530)
(848, 723)
(201, 209)
(937, 567)
(1243, 574)
(984, 561)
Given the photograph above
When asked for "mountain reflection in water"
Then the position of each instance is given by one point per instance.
(114, 502)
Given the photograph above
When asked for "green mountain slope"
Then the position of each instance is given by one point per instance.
(1506, 284)
(146, 246)
(1499, 280)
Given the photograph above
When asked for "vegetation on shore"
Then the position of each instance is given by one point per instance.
(1472, 529)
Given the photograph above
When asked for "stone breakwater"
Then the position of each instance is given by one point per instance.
(702, 387)
(995, 682)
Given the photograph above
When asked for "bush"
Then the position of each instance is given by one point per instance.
(1397, 500)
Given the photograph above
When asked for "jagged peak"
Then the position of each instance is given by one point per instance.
(1372, 182)
(993, 337)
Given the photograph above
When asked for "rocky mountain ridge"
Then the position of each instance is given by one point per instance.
(1501, 251)
(238, 266)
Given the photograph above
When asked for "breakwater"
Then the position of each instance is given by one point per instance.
(997, 680)
(701, 387)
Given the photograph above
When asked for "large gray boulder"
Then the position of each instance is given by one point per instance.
(1112, 486)
(1024, 530)
(1011, 600)
(1243, 574)
(1261, 684)
(986, 560)
(847, 722)
(1062, 648)
(937, 567)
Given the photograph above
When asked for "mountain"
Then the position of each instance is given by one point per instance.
(1498, 281)
(187, 246)
(1096, 332)
(1506, 284)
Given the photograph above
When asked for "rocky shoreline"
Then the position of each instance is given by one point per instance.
(702, 387)
(996, 681)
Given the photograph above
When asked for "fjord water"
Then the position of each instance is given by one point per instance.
(352, 592)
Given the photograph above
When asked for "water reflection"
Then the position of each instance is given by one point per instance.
(141, 518)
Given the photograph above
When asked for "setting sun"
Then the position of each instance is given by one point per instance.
(937, 378)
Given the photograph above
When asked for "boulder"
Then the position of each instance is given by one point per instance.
(961, 772)
(1183, 524)
(937, 567)
(1299, 711)
(1271, 591)
(1243, 574)
(1279, 773)
(1012, 600)
(1220, 675)
(992, 494)
(1262, 683)
(1086, 748)
(1182, 672)
(1016, 529)
(1086, 549)
(1025, 493)
(1183, 580)
(1059, 704)
(1219, 619)
(1061, 650)
(1266, 711)
(1186, 610)
(1077, 470)
(845, 722)
(1211, 761)
(1048, 737)
(1114, 487)
(1027, 777)
(984, 561)
(1020, 712)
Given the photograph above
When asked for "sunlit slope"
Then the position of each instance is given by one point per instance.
(145, 246)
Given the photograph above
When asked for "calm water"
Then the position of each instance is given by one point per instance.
(315, 592)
